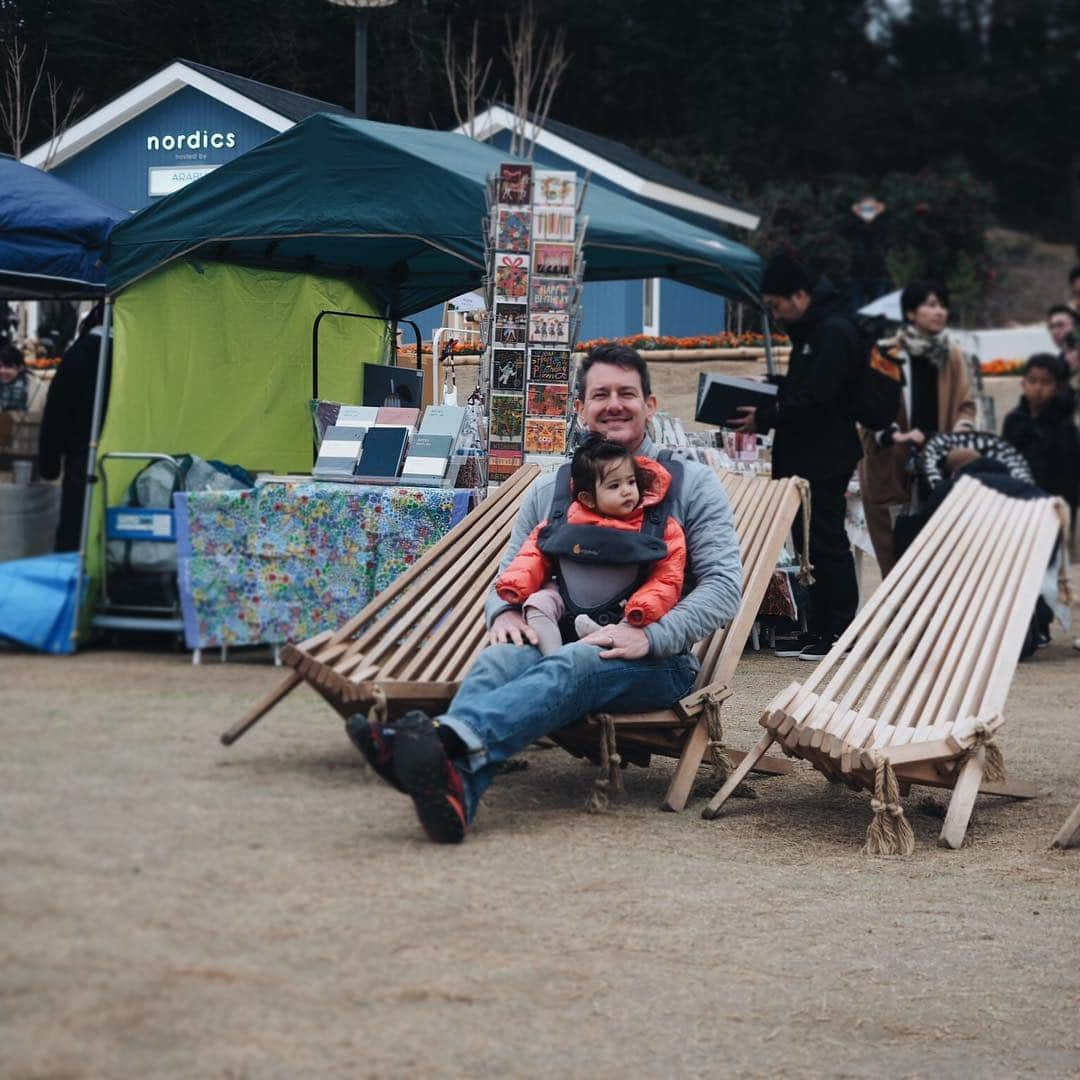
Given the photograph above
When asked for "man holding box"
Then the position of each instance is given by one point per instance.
(815, 438)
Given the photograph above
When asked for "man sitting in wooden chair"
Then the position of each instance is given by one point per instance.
(513, 694)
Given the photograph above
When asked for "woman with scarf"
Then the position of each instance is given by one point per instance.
(936, 397)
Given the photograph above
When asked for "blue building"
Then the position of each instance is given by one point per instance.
(169, 130)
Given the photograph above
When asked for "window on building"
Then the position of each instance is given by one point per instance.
(650, 306)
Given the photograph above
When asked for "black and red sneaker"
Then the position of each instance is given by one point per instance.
(376, 742)
(425, 772)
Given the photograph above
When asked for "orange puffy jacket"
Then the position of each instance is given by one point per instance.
(531, 568)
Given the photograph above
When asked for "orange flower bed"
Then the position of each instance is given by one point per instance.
(650, 342)
(1001, 366)
(458, 347)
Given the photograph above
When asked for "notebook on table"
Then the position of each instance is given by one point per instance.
(428, 459)
(383, 453)
(339, 451)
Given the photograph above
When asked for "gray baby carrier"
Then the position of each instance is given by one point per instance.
(597, 569)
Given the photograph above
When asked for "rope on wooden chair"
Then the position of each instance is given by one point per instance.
(806, 567)
(380, 707)
(608, 784)
(993, 762)
(889, 833)
(718, 756)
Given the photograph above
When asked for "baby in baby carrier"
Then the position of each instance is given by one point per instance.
(609, 551)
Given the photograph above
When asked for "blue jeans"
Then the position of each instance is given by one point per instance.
(513, 695)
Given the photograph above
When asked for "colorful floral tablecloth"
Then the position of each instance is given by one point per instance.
(283, 562)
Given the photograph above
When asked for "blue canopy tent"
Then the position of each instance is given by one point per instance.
(52, 236)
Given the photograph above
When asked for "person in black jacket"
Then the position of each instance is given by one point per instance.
(815, 438)
(66, 423)
(1042, 429)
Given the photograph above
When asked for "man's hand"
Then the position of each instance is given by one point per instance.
(745, 422)
(915, 437)
(510, 628)
(619, 642)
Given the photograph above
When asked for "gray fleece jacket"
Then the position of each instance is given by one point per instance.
(712, 556)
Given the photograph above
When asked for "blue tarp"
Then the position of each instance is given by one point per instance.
(37, 601)
(51, 236)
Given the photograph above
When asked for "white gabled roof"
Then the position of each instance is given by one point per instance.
(146, 95)
(626, 168)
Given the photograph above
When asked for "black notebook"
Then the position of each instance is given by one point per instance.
(384, 451)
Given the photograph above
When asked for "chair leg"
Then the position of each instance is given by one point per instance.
(1069, 833)
(963, 801)
(738, 775)
(687, 768)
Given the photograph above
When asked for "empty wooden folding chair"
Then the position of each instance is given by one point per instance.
(410, 647)
(914, 690)
(763, 511)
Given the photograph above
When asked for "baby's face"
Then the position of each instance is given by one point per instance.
(617, 492)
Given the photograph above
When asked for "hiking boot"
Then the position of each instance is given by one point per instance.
(793, 644)
(376, 742)
(819, 649)
(425, 773)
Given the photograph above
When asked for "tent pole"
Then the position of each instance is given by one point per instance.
(91, 459)
(768, 343)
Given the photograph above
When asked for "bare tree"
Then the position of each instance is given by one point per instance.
(467, 81)
(59, 122)
(17, 103)
(537, 63)
(19, 95)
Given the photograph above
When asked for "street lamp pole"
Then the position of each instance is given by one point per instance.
(360, 10)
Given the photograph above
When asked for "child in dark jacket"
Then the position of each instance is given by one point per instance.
(1041, 427)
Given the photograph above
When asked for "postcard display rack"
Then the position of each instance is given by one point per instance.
(534, 244)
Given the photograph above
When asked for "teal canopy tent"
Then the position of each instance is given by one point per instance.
(399, 211)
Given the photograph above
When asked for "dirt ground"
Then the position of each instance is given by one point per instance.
(170, 907)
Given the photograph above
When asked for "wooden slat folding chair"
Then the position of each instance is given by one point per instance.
(914, 690)
(763, 511)
(410, 647)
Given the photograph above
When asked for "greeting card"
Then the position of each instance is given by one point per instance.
(511, 276)
(547, 401)
(549, 327)
(549, 365)
(554, 188)
(556, 260)
(513, 230)
(551, 294)
(545, 436)
(508, 369)
(507, 414)
(515, 182)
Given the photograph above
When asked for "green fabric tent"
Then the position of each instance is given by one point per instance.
(215, 359)
(399, 210)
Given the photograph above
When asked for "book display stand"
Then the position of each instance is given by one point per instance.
(533, 240)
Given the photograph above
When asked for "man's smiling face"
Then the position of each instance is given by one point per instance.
(615, 405)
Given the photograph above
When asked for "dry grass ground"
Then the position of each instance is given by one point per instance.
(173, 908)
